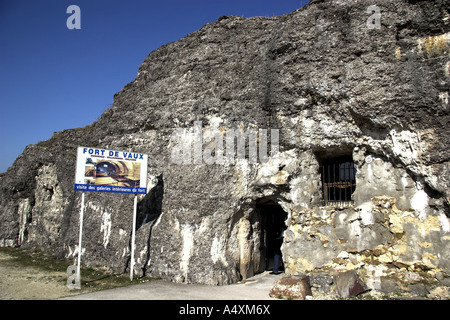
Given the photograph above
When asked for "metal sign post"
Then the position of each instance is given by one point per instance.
(133, 234)
(80, 237)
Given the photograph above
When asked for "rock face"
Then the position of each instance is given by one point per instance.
(332, 79)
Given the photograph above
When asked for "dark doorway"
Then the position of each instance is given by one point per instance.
(273, 219)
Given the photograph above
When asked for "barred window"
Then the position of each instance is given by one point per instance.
(338, 181)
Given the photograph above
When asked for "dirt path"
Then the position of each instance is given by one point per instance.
(34, 275)
(29, 282)
(255, 288)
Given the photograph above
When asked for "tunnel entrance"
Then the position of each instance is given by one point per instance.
(273, 219)
(116, 173)
(105, 169)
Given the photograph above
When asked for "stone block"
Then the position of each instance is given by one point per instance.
(349, 285)
(418, 289)
(321, 281)
(292, 287)
(389, 285)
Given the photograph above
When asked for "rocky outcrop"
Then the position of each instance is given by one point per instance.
(332, 84)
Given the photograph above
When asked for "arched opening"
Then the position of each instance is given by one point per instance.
(272, 218)
(117, 173)
(106, 169)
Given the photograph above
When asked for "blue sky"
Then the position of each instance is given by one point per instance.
(53, 78)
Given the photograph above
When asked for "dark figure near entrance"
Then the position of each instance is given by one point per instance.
(273, 223)
(277, 251)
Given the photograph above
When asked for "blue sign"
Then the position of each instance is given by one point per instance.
(89, 187)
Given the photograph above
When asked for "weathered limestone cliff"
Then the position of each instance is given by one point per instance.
(335, 84)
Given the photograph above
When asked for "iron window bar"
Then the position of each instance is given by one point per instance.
(338, 182)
